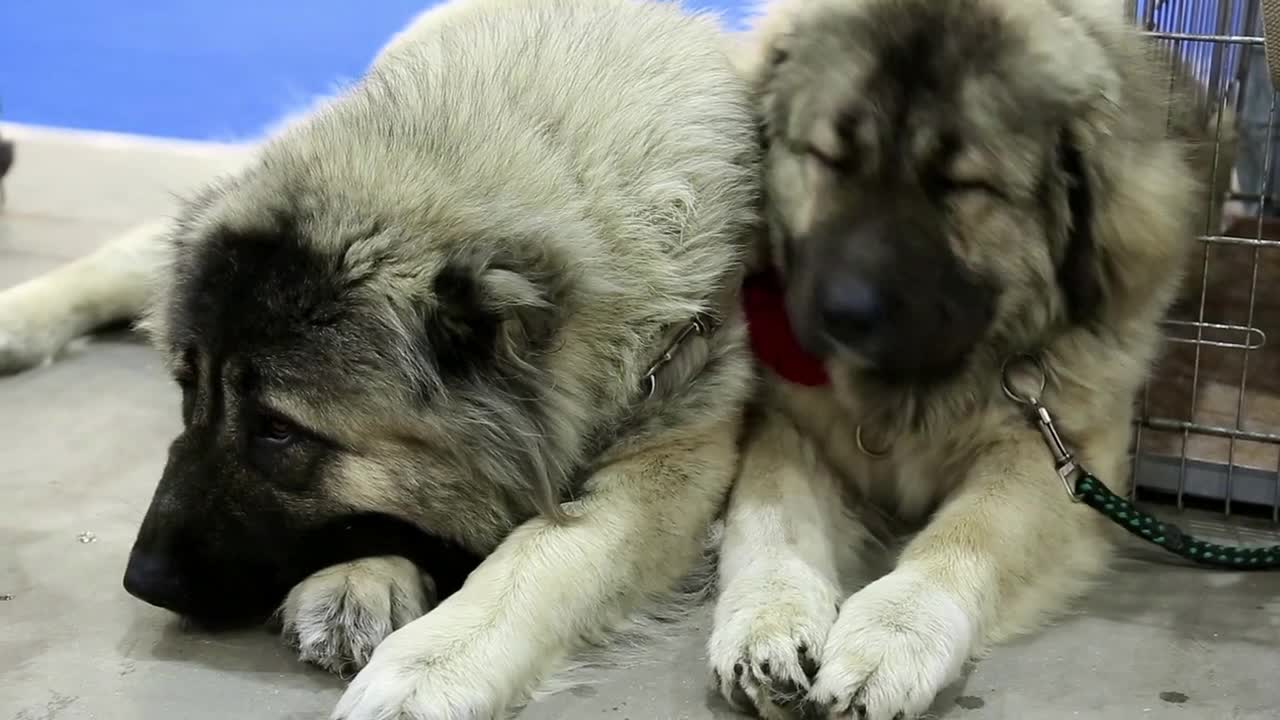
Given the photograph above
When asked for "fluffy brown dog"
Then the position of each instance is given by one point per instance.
(950, 184)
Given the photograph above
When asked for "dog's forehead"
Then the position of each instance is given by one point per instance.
(927, 59)
(911, 73)
(262, 294)
(261, 281)
(924, 45)
(321, 303)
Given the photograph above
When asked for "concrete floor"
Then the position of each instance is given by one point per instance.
(82, 443)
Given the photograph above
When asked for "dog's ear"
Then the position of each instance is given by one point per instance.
(1079, 269)
(1071, 40)
(482, 317)
(525, 307)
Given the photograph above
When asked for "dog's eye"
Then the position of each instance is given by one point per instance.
(824, 158)
(840, 164)
(276, 431)
(777, 55)
(971, 185)
(187, 383)
(185, 374)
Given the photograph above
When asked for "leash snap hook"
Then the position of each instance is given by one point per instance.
(1063, 461)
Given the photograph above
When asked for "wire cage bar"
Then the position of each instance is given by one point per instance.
(1208, 428)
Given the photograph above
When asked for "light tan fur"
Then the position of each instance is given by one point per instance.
(594, 163)
(642, 251)
(998, 546)
(992, 544)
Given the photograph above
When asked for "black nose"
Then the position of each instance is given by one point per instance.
(851, 309)
(152, 579)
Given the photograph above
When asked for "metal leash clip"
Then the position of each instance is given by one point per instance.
(699, 324)
(1063, 461)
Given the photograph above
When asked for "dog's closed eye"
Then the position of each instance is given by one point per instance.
(277, 431)
(961, 184)
(830, 160)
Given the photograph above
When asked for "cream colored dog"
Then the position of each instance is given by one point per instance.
(949, 184)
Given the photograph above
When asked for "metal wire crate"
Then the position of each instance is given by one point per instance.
(1209, 423)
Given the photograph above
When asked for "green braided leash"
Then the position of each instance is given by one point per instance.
(1094, 493)
(1087, 488)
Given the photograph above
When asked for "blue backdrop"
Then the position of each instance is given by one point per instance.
(200, 69)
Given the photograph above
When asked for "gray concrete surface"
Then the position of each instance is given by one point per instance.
(82, 443)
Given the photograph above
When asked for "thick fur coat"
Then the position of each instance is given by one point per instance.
(421, 322)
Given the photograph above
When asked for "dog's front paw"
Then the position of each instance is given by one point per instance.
(28, 333)
(338, 616)
(426, 671)
(769, 631)
(895, 645)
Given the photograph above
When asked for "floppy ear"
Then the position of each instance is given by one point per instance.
(479, 318)
(1070, 41)
(1079, 269)
(526, 311)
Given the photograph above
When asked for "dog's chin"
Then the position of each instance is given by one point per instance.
(895, 368)
(238, 612)
(235, 594)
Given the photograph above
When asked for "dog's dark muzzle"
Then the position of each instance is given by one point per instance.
(885, 288)
(187, 566)
(153, 579)
(225, 566)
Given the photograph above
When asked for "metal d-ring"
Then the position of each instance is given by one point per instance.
(857, 436)
(1005, 384)
(1063, 461)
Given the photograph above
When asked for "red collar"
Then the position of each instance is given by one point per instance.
(770, 333)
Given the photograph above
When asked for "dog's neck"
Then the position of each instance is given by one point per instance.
(686, 348)
(773, 342)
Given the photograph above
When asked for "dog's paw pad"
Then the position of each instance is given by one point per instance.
(895, 645)
(772, 688)
(764, 655)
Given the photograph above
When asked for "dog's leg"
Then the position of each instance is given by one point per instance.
(40, 316)
(1005, 549)
(788, 537)
(336, 617)
(634, 536)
